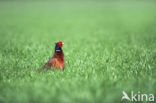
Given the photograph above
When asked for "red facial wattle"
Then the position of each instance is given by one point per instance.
(60, 44)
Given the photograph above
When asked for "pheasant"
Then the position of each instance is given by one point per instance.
(57, 61)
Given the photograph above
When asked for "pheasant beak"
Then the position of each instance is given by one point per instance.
(62, 43)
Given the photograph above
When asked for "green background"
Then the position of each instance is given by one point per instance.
(110, 46)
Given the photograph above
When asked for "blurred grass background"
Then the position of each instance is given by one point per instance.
(110, 46)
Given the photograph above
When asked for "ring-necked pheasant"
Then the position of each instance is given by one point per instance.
(57, 61)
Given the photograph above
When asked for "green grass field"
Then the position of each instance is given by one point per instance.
(110, 46)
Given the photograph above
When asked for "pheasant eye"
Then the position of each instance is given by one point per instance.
(60, 44)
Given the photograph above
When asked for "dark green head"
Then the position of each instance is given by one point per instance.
(58, 46)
